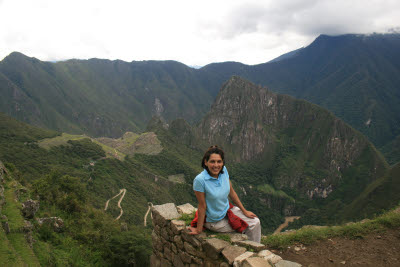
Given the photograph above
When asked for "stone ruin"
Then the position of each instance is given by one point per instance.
(174, 246)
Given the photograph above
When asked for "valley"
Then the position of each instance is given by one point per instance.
(96, 142)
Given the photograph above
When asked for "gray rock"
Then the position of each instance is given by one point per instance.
(56, 223)
(251, 244)
(269, 256)
(214, 246)
(165, 263)
(178, 241)
(164, 213)
(177, 226)
(2, 198)
(185, 257)
(284, 263)
(191, 250)
(168, 254)
(236, 237)
(6, 227)
(156, 241)
(195, 240)
(177, 262)
(164, 233)
(155, 261)
(28, 227)
(186, 209)
(230, 253)
(239, 259)
(173, 248)
(29, 208)
(255, 262)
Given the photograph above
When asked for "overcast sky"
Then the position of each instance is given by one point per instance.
(192, 32)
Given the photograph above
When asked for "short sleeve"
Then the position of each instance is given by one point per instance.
(198, 184)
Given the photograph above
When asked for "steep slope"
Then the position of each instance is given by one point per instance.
(381, 195)
(354, 76)
(357, 77)
(276, 142)
(98, 97)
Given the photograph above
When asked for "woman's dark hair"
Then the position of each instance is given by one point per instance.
(213, 150)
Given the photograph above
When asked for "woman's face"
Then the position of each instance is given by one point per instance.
(214, 165)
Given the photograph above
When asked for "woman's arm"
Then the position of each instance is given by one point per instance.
(201, 213)
(235, 199)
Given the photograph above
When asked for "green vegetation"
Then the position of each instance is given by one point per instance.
(309, 235)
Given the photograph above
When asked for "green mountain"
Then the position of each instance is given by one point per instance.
(99, 97)
(73, 177)
(283, 148)
(354, 76)
(357, 77)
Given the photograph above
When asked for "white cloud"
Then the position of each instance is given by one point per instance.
(195, 33)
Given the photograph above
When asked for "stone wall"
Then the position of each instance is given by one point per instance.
(174, 246)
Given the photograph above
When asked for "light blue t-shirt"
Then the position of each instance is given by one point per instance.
(216, 193)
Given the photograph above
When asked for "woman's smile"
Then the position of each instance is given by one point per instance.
(214, 165)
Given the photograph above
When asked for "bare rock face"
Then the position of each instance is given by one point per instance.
(4, 224)
(252, 123)
(56, 223)
(29, 208)
(3, 172)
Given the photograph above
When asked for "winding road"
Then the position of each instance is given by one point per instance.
(122, 191)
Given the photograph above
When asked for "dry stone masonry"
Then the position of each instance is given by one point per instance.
(174, 246)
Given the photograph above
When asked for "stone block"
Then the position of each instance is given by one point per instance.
(168, 254)
(155, 261)
(224, 264)
(269, 256)
(255, 262)
(165, 263)
(195, 240)
(177, 226)
(185, 257)
(192, 250)
(156, 241)
(214, 246)
(178, 241)
(177, 261)
(162, 214)
(173, 248)
(252, 245)
(284, 263)
(236, 237)
(186, 209)
(239, 259)
(164, 234)
(230, 253)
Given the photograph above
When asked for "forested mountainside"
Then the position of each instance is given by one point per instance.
(354, 76)
(357, 77)
(73, 180)
(284, 156)
(290, 146)
(99, 97)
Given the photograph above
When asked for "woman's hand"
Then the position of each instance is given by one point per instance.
(249, 214)
(194, 231)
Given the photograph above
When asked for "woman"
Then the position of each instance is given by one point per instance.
(212, 188)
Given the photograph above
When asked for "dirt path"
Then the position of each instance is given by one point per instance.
(286, 223)
(147, 213)
(375, 249)
(122, 191)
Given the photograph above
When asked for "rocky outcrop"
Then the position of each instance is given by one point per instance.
(29, 208)
(174, 246)
(56, 223)
(306, 146)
